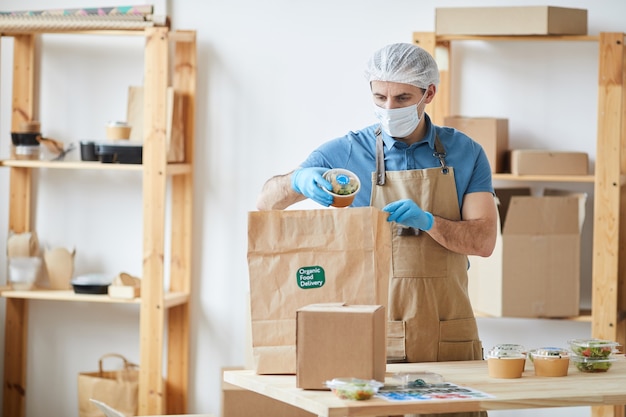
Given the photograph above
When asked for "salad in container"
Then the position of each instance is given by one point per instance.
(593, 355)
(346, 185)
(354, 388)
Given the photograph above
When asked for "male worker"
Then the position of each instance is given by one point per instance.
(435, 183)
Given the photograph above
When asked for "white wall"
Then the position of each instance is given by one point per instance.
(276, 79)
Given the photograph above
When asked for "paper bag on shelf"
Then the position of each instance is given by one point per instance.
(116, 388)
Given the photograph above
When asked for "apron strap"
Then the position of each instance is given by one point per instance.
(440, 154)
(380, 158)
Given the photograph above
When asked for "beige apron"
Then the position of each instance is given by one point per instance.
(430, 315)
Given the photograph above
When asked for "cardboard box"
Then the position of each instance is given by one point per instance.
(525, 20)
(339, 341)
(491, 133)
(174, 129)
(239, 402)
(541, 162)
(534, 270)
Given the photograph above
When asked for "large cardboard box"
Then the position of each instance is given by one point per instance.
(491, 133)
(534, 270)
(524, 20)
(239, 402)
(339, 341)
(542, 162)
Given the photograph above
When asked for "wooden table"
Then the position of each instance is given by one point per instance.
(576, 389)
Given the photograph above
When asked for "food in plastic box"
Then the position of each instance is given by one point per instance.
(354, 388)
(593, 355)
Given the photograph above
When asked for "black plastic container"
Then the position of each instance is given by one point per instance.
(88, 151)
(119, 153)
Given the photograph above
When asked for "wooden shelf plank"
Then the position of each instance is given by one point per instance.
(171, 298)
(526, 38)
(172, 169)
(545, 178)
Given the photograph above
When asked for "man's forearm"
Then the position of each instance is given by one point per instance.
(469, 237)
(277, 194)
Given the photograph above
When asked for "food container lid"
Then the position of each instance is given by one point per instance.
(413, 379)
(496, 353)
(510, 347)
(92, 279)
(354, 388)
(549, 352)
(344, 182)
(593, 347)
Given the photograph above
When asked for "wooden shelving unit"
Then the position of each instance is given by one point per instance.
(164, 185)
(608, 313)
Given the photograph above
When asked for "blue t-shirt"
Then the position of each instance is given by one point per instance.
(357, 152)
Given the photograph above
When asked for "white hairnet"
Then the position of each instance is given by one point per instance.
(403, 63)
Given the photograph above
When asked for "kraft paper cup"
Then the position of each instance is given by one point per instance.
(506, 363)
(345, 184)
(550, 361)
(118, 131)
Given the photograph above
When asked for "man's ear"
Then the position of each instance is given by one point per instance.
(430, 93)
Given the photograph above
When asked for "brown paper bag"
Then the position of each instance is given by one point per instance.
(117, 388)
(301, 257)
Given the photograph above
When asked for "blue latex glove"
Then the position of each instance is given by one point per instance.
(307, 181)
(407, 213)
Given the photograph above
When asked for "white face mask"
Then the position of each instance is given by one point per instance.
(401, 122)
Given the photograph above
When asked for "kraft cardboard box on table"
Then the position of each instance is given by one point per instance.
(239, 402)
(523, 20)
(491, 133)
(544, 162)
(302, 257)
(534, 270)
(339, 341)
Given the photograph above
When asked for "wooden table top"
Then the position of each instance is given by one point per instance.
(530, 391)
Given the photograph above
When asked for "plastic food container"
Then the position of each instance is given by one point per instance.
(505, 363)
(345, 184)
(584, 364)
(550, 361)
(593, 355)
(92, 284)
(23, 272)
(354, 388)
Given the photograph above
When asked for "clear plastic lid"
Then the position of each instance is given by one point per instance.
(415, 379)
(496, 353)
(344, 182)
(507, 351)
(510, 347)
(549, 352)
(593, 348)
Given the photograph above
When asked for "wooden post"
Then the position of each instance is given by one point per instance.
(152, 311)
(440, 107)
(184, 82)
(609, 225)
(16, 329)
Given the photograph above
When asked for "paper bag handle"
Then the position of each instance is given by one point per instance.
(127, 365)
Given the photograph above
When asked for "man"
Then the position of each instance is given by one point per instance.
(434, 182)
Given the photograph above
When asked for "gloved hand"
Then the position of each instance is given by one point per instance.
(307, 181)
(408, 213)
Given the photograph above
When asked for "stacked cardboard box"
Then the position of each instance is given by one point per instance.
(525, 20)
(535, 269)
(492, 134)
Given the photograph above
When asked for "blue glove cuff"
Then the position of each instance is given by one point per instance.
(431, 221)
